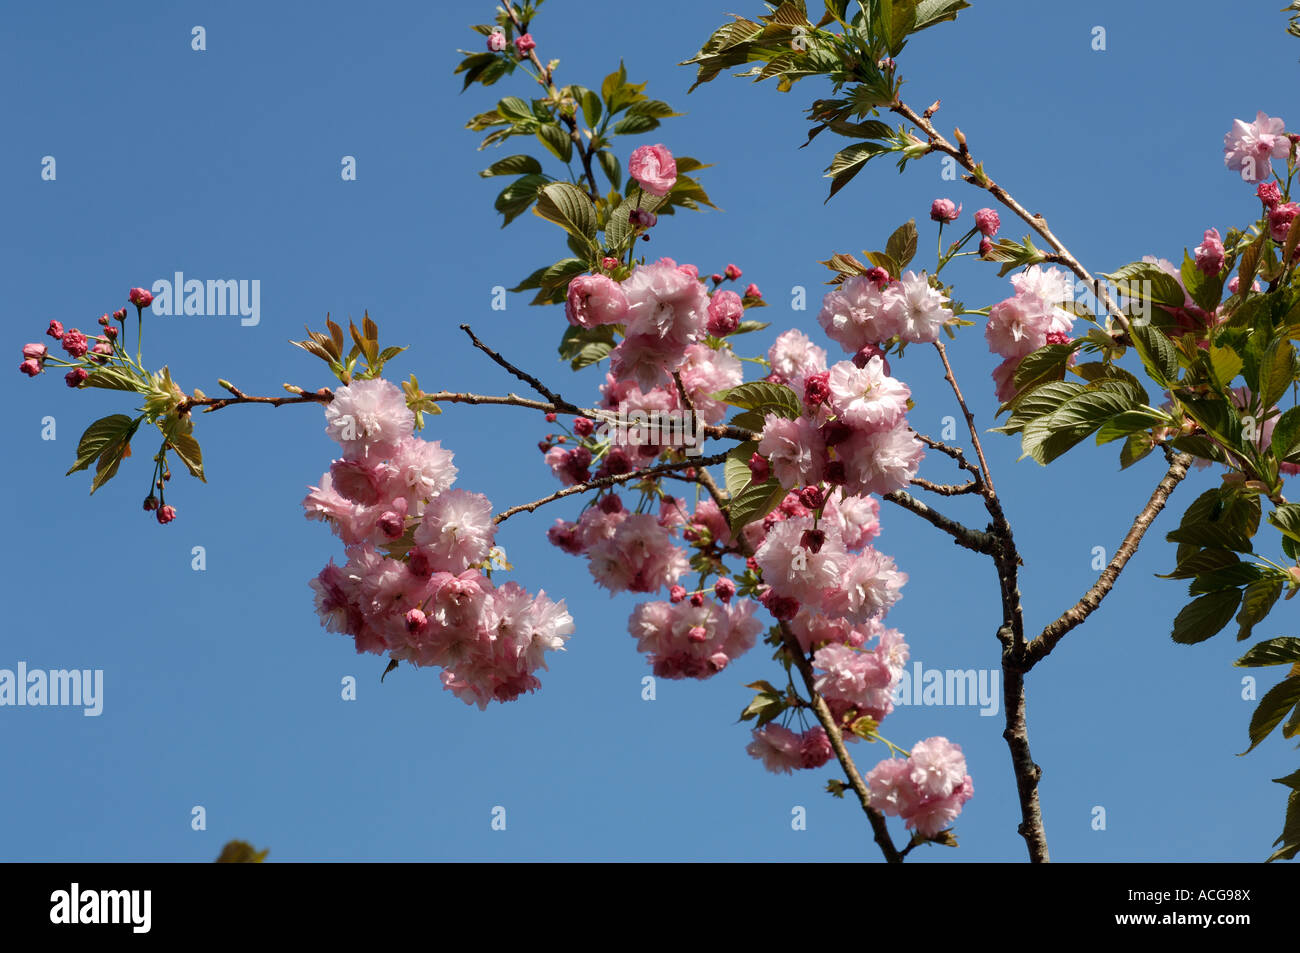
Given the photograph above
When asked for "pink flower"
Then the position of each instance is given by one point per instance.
(881, 461)
(359, 482)
(524, 44)
(30, 367)
(724, 589)
(987, 221)
(751, 291)
(793, 356)
(166, 514)
(75, 343)
(858, 518)
(75, 376)
(140, 298)
(732, 272)
(420, 470)
(923, 309)
(1279, 220)
(860, 312)
(795, 572)
(369, 419)
(815, 747)
(456, 530)
(496, 41)
(852, 676)
(943, 210)
(55, 330)
(1234, 284)
(759, 470)
(780, 749)
(1004, 379)
(666, 303)
(1209, 254)
(866, 398)
(725, 312)
(938, 767)
(908, 787)
(868, 588)
(653, 168)
(705, 372)
(1250, 147)
(793, 448)
(595, 300)
(1269, 194)
(639, 556)
(35, 352)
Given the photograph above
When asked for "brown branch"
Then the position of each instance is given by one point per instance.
(947, 489)
(523, 375)
(600, 483)
(1039, 648)
(547, 82)
(322, 396)
(878, 826)
(951, 378)
(972, 539)
(980, 179)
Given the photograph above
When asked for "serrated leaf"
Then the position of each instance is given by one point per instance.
(516, 197)
(736, 473)
(512, 165)
(557, 140)
(1204, 617)
(569, 207)
(753, 503)
(1206, 560)
(1136, 446)
(1286, 434)
(763, 396)
(902, 244)
(1279, 651)
(1272, 708)
(114, 378)
(1157, 353)
(1256, 601)
(187, 448)
(610, 165)
(97, 437)
(112, 456)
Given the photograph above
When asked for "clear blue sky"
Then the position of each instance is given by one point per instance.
(222, 690)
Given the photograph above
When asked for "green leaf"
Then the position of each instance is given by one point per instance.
(744, 327)
(112, 456)
(1046, 438)
(736, 467)
(1136, 446)
(114, 378)
(1157, 353)
(1037, 401)
(567, 206)
(610, 165)
(1276, 372)
(1233, 576)
(1287, 519)
(902, 244)
(187, 448)
(516, 197)
(582, 347)
(512, 165)
(1203, 617)
(1272, 708)
(849, 161)
(1256, 602)
(1206, 290)
(763, 396)
(557, 140)
(1129, 422)
(754, 502)
(1048, 363)
(1206, 560)
(516, 109)
(591, 108)
(98, 436)
(1280, 651)
(1286, 434)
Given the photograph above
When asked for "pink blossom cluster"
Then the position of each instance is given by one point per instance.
(414, 585)
(693, 638)
(852, 431)
(1030, 319)
(873, 309)
(927, 789)
(782, 751)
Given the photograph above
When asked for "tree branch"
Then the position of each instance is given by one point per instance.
(979, 178)
(878, 826)
(603, 482)
(972, 539)
(1039, 648)
(523, 375)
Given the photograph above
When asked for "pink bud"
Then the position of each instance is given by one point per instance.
(609, 264)
(725, 311)
(879, 276)
(525, 44)
(110, 332)
(120, 314)
(751, 291)
(759, 470)
(75, 376)
(30, 367)
(392, 525)
(496, 41)
(75, 343)
(944, 210)
(418, 564)
(676, 594)
(1269, 194)
(36, 352)
(55, 330)
(733, 272)
(103, 320)
(816, 389)
(987, 221)
(550, 418)
(416, 621)
(724, 589)
(812, 497)
(166, 514)
(697, 634)
(812, 540)
(140, 298)
(697, 599)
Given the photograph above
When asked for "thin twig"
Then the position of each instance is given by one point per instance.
(523, 375)
(947, 489)
(1039, 648)
(607, 481)
(878, 825)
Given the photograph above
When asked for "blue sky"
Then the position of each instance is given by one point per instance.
(222, 690)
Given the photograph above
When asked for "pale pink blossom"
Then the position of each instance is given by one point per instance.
(1250, 147)
(867, 398)
(793, 448)
(881, 461)
(923, 309)
(780, 749)
(705, 372)
(793, 355)
(456, 530)
(858, 313)
(594, 300)
(369, 418)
